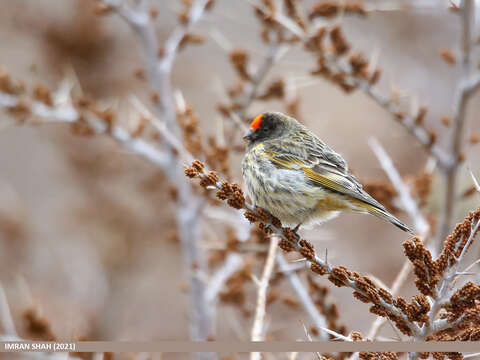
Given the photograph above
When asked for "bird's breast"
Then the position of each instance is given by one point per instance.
(283, 192)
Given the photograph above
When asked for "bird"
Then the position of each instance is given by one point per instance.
(300, 180)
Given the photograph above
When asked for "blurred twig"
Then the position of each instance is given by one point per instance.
(7, 326)
(407, 121)
(159, 65)
(257, 333)
(304, 297)
(408, 203)
(468, 84)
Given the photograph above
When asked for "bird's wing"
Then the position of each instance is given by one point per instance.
(321, 166)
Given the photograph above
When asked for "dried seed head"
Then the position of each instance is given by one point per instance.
(474, 138)
(374, 77)
(422, 112)
(448, 56)
(359, 64)
(198, 165)
(340, 45)
(191, 172)
(318, 269)
(153, 13)
(446, 121)
(239, 60)
(103, 9)
(42, 94)
(285, 245)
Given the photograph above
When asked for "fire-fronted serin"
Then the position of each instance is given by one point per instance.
(294, 175)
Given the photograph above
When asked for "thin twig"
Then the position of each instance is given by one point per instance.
(216, 282)
(257, 333)
(7, 326)
(408, 121)
(189, 205)
(468, 85)
(409, 204)
(475, 181)
(317, 318)
(274, 54)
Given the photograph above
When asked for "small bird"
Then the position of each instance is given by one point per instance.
(295, 176)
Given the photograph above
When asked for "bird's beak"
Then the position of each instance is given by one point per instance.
(248, 135)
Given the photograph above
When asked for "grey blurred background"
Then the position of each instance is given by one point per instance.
(85, 235)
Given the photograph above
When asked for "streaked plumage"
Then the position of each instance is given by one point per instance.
(291, 173)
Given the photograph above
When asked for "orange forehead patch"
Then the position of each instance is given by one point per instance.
(256, 122)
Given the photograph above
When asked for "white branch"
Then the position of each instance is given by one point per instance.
(7, 326)
(317, 318)
(257, 333)
(408, 203)
(216, 282)
(467, 85)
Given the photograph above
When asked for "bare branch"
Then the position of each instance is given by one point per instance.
(216, 282)
(409, 204)
(475, 181)
(317, 318)
(7, 326)
(257, 328)
(468, 85)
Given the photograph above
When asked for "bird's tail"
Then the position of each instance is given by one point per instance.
(383, 214)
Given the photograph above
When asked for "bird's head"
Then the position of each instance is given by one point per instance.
(270, 125)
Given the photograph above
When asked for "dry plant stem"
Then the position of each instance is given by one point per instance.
(260, 310)
(444, 159)
(7, 326)
(215, 285)
(189, 206)
(257, 333)
(165, 64)
(274, 54)
(304, 297)
(468, 85)
(409, 204)
(141, 23)
(159, 69)
(188, 210)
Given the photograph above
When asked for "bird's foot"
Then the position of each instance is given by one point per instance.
(295, 231)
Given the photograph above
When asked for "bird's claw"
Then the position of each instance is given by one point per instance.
(295, 232)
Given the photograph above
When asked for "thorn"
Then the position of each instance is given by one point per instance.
(255, 280)
(475, 181)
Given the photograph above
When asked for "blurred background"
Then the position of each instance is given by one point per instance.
(87, 235)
